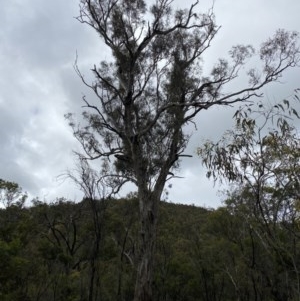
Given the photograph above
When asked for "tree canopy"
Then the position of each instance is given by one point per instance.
(152, 87)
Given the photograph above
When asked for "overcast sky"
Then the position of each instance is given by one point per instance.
(38, 44)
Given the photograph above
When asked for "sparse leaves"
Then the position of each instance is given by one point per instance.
(11, 194)
(278, 51)
(152, 88)
(260, 134)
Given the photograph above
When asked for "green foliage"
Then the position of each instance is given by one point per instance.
(46, 251)
(261, 159)
(11, 193)
(37, 256)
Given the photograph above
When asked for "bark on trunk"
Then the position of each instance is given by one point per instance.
(148, 214)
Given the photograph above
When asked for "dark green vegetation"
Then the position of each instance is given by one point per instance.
(47, 252)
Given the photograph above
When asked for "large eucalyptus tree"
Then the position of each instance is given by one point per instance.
(150, 89)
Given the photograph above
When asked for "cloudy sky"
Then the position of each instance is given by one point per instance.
(39, 40)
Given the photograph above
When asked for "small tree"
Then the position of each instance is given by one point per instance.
(151, 89)
(95, 195)
(11, 193)
(261, 158)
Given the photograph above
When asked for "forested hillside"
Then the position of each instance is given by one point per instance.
(87, 251)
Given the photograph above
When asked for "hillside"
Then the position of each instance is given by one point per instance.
(71, 251)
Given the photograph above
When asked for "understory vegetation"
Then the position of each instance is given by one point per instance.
(47, 252)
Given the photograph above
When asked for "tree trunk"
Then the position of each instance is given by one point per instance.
(148, 218)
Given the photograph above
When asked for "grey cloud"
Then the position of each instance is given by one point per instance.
(38, 44)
